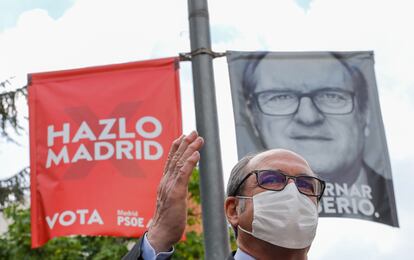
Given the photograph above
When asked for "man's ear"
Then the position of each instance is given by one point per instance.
(230, 208)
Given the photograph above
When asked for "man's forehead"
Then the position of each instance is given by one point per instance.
(301, 74)
(281, 159)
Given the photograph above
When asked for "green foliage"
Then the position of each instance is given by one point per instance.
(233, 244)
(191, 248)
(194, 186)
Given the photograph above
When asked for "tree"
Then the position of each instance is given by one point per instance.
(14, 188)
(8, 110)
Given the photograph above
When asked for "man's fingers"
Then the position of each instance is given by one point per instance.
(186, 170)
(173, 149)
(194, 146)
(177, 157)
(187, 140)
(173, 190)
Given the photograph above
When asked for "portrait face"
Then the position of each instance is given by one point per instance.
(310, 108)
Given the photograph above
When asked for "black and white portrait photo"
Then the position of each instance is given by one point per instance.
(324, 106)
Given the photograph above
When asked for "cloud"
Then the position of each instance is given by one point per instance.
(305, 4)
(10, 9)
(93, 32)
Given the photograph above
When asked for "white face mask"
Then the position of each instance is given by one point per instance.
(284, 218)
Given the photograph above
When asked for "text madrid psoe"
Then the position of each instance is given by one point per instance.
(101, 149)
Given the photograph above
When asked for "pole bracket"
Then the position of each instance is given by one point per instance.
(187, 56)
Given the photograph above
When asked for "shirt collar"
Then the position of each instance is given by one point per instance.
(240, 255)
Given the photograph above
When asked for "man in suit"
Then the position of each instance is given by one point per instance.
(271, 204)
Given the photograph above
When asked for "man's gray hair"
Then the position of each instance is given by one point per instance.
(236, 176)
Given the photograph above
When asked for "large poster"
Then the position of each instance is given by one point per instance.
(99, 137)
(324, 106)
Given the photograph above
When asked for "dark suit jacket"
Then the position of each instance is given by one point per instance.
(231, 256)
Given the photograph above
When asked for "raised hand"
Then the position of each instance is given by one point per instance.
(170, 217)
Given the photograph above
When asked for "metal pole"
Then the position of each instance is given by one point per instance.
(211, 177)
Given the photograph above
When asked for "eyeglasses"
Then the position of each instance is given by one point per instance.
(327, 101)
(276, 180)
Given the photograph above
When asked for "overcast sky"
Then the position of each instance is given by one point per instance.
(44, 35)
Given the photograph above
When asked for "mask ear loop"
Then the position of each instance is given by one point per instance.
(238, 226)
(244, 230)
(244, 197)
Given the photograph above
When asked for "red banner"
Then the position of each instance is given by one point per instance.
(98, 139)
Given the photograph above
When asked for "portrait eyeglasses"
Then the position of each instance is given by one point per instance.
(277, 180)
(327, 100)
